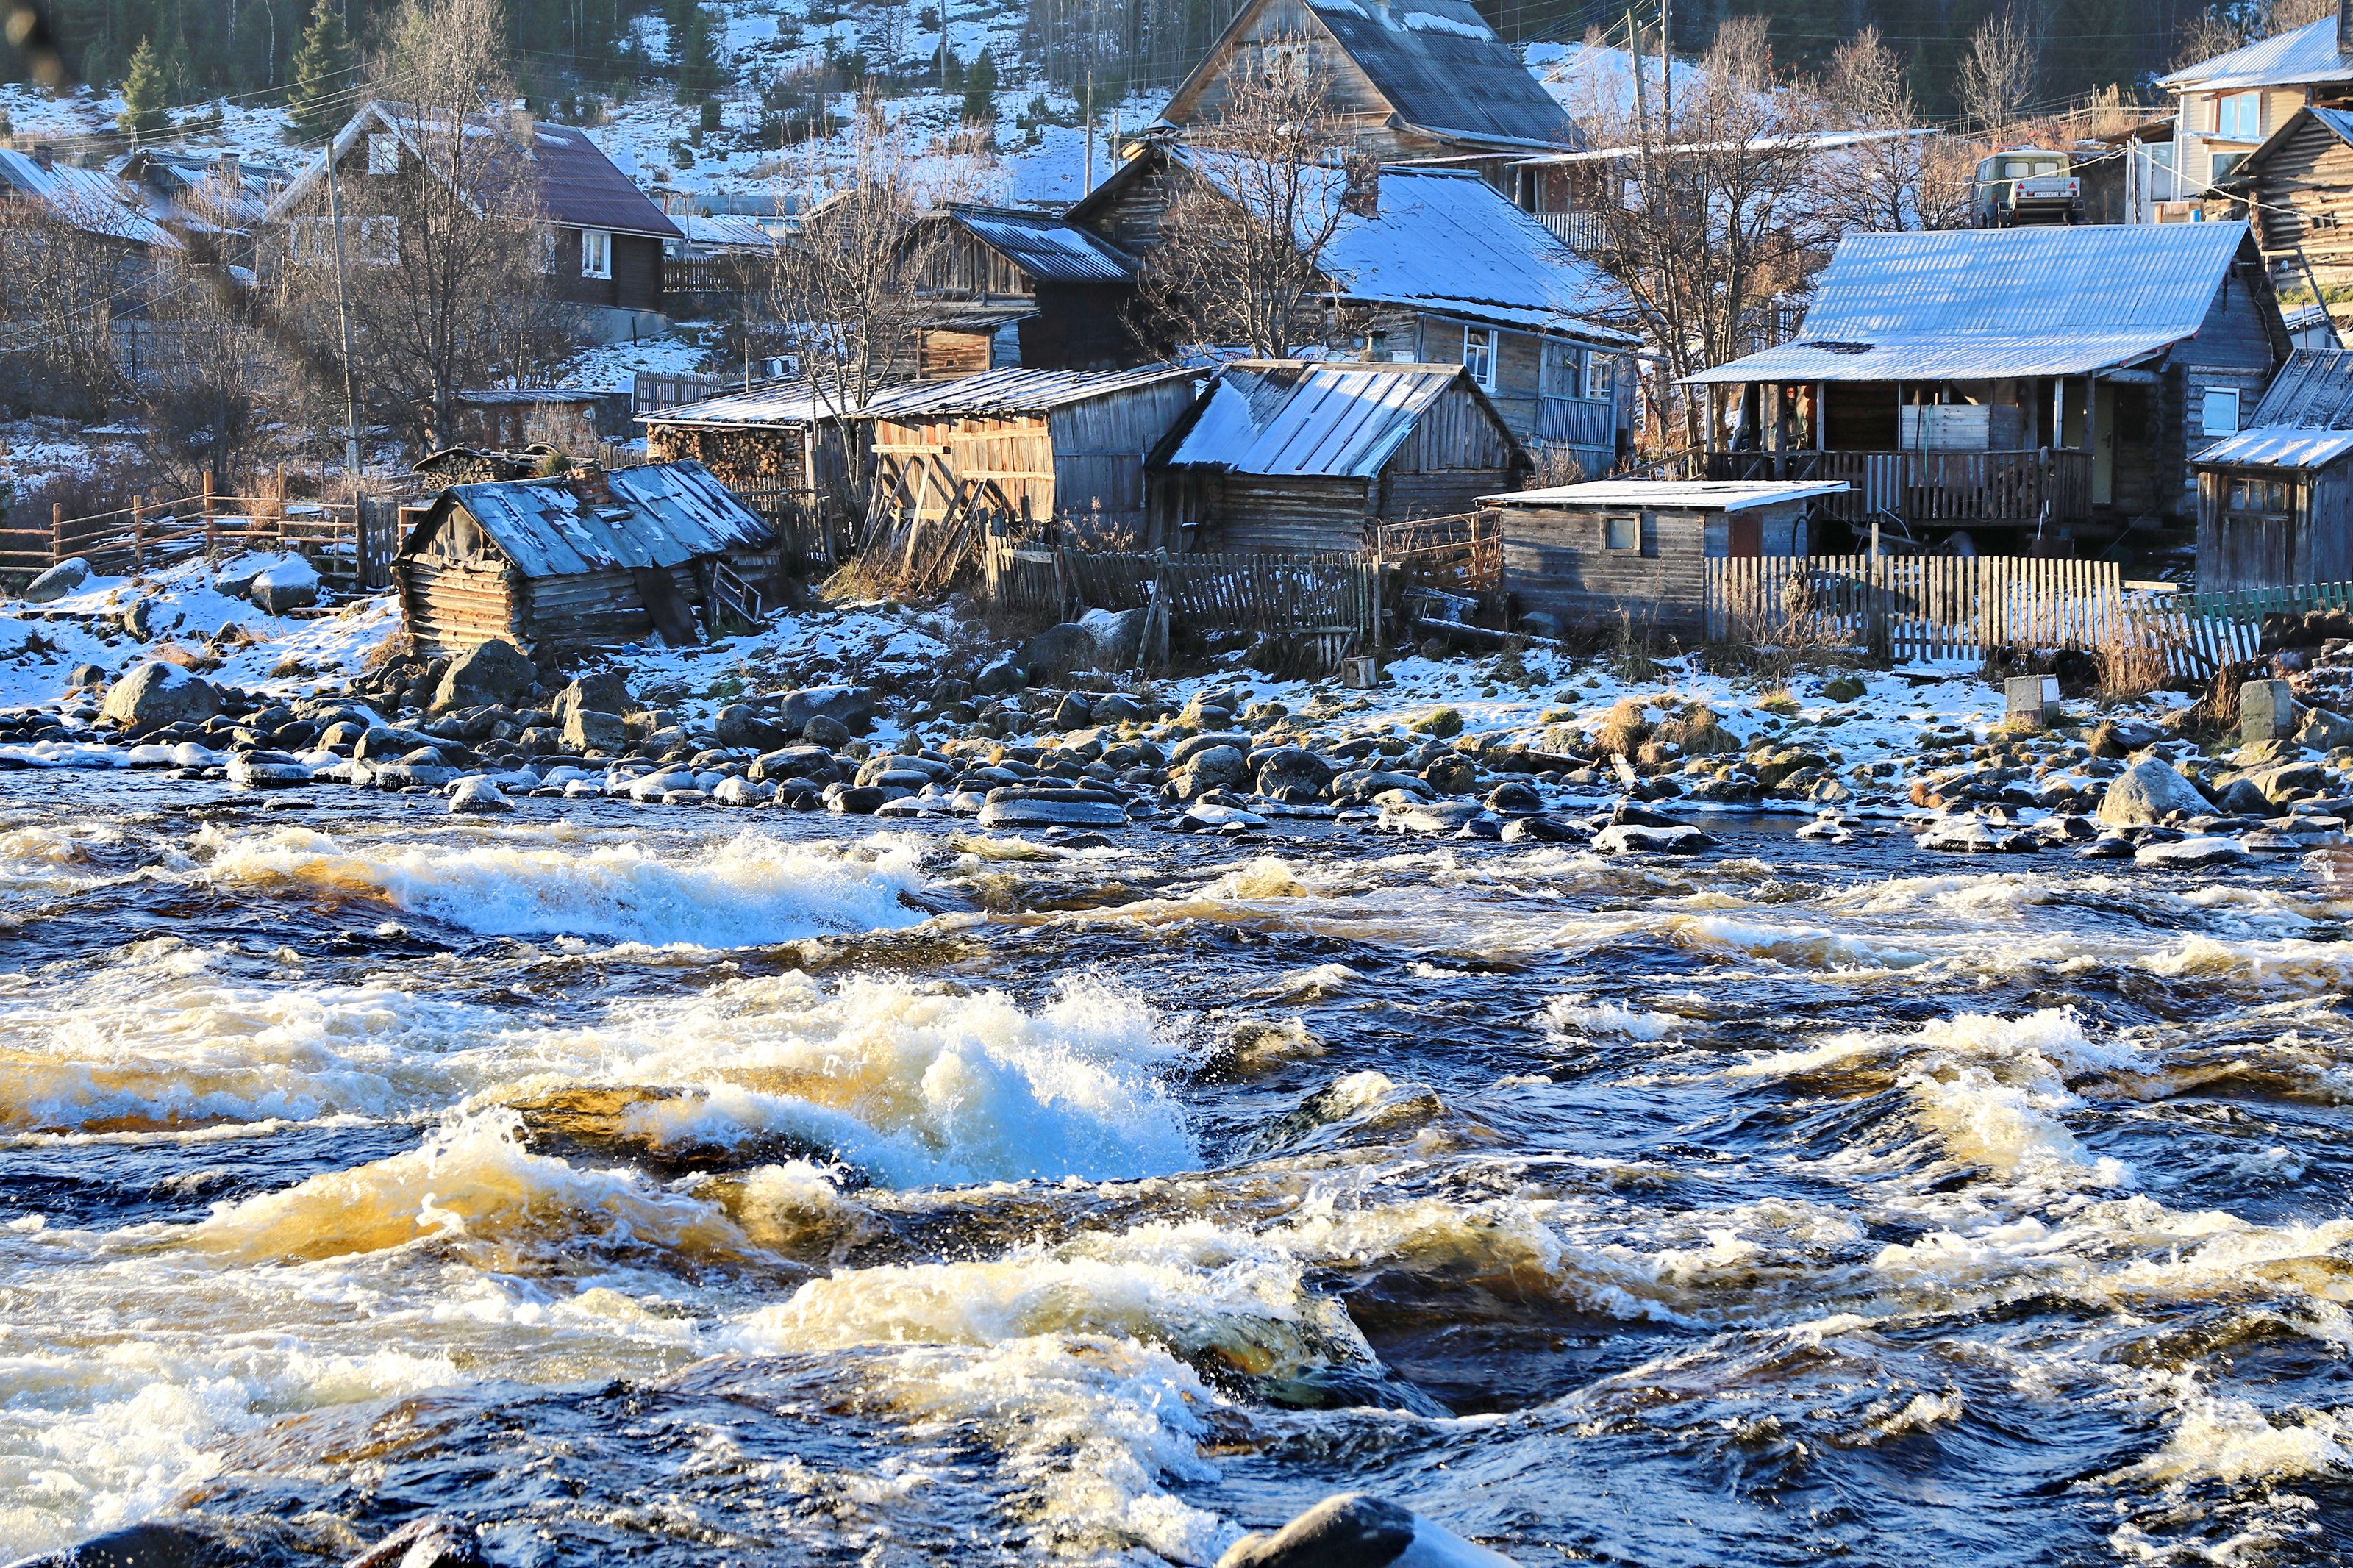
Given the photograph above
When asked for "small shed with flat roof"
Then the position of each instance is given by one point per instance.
(2275, 500)
(1640, 547)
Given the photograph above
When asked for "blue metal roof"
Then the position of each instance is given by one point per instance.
(1296, 419)
(1980, 303)
(2305, 419)
(2305, 54)
(662, 514)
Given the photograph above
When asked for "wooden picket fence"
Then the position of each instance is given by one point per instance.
(352, 547)
(1946, 609)
(1463, 554)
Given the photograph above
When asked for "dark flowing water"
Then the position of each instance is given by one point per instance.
(926, 1196)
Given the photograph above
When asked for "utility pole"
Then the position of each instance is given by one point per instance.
(343, 311)
(1666, 66)
(1091, 134)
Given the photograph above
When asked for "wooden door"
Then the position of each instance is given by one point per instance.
(2104, 444)
(1745, 534)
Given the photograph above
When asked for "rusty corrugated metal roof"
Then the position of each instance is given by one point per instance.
(1970, 303)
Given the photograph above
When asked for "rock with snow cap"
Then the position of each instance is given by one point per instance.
(476, 795)
(1356, 1530)
(848, 706)
(432, 1542)
(1627, 838)
(2191, 854)
(2149, 791)
(66, 577)
(155, 694)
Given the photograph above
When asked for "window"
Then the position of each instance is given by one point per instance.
(2225, 164)
(2238, 117)
(380, 241)
(383, 154)
(1621, 531)
(1601, 375)
(2320, 220)
(2259, 495)
(1286, 63)
(595, 253)
(1479, 354)
(2220, 416)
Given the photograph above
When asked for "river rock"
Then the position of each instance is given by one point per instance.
(1216, 767)
(743, 791)
(1058, 651)
(738, 724)
(1293, 767)
(1007, 807)
(155, 693)
(491, 672)
(2271, 787)
(1540, 830)
(150, 1545)
(264, 773)
(284, 585)
(847, 706)
(1073, 712)
(1356, 1530)
(1000, 675)
(86, 678)
(1513, 798)
(476, 795)
(592, 730)
(2106, 846)
(2189, 854)
(428, 1542)
(1628, 838)
(603, 691)
(68, 576)
(1430, 816)
(855, 800)
(1968, 836)
(2147, 793)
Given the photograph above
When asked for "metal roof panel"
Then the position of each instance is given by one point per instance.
(1300, 419)
(662, 514)
(1709, 495)
(2305, 54)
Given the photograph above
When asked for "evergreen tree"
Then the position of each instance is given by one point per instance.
(946, 69)
(322, 76)
(144, 94)
(699, 72)
(980, 90)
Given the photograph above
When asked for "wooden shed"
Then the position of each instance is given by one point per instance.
(781, 437)
(1305, 455)
(581, 562)
(2275, 500)
(1587, 552)
(1037, 443)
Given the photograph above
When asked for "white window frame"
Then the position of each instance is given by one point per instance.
(1487, 342)
(383, 154)
(1632, 520)
(595, 253)
(2216, 399)
(380, 241)
(1601, 375)
(2232, 126)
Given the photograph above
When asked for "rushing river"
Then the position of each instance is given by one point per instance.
(684, 1187)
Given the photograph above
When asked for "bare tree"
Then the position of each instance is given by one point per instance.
(1891, 176)
(1721, 216)
(1256, 198)
(451, 266)
(68, 284)
(210, 378)
(1997, 76)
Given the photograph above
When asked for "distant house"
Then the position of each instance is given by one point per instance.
(510, 419)
(1051, 295)
(88, 201)
(564, 564)
(212, 201)
(2275, 500)
(2031, 386)
(1419, 80)
(1590, 553)
(605, 236)
(1291, 454)
(2233, 104)
(1435, 267)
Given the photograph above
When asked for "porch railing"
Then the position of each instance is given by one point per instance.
(1935, 488)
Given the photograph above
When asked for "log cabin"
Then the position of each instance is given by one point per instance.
(602, 237)
(1290, 455)
(779, 437)
(1588, 554)
(1056, 291)
(2275, 500)
(588, 560)
(2038, 390)
(1427, 267)
(2297, 189)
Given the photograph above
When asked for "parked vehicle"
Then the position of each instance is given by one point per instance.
(2024, 185)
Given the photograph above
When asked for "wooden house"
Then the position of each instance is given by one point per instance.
(2275, 500)
(1432, 267)
(1587, 553)
(2035, 389)
(1034, 443)
(2297, 189)
(588, 560)
(213, 201)
(602, 237)
(1058, 292)
(571, 420)
(2229, 105)
(1428, 79)
(1295, 455)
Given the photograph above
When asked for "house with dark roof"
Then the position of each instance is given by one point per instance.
(1015, 287)
(1432, 266)
(605, 237)
(1407, 79)
(213, 201)
(2043, 387)
(89, 201)
(2275, 500)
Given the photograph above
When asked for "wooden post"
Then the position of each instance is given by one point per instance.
(57, 531)
(138, 537)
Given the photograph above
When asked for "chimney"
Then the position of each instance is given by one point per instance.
(45, 155)
(230, 169)
(520, 123)
(1362, 195)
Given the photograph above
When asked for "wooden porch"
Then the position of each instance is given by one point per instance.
(1923, 490)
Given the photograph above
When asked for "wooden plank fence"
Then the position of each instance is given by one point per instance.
(352, 547)
(1463, 554)
(1966, 608)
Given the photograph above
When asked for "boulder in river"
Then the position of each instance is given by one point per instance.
(428, 1542)
(1008, 807)
(2191, 854)
(490, 672)
(155, 693)
(477, 796)
(592, 730)
(2146, 793)
(848, 706)
(1356, 1530)
(1628, 838)
(153, 1544)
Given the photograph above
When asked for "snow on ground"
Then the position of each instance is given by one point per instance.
(612, 367)
(32, 451)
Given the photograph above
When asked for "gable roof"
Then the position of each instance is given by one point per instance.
(663, 514)
(1014, 390)
(1927, 306)
(1325, 419)
(1044, 246)
(89, 200)
(2305, 419)
(2305, 54)
(1441, 240)
(1439, 65)
(575, 185)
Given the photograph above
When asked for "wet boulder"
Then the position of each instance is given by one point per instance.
(1216, 767)
(1406, 816)
(1635, 839)
(2147, 793)
(592, 730)
(1293, 767)
(477, 796)
(492, 672)
(739, 724)
(154, 1545)
(266, 770)
(848, 706)
(1356, 1530)
(155, 694)
(67, 577)
(1451, 774)
(1017, 806)
(1513, 798)
(428, 1542)
(1540, 830)
(603, 691)
(2191, 854)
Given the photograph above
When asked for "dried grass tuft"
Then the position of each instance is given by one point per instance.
(1623, 729)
